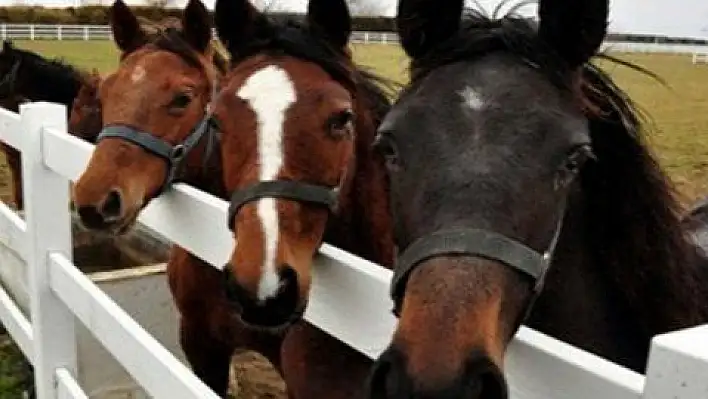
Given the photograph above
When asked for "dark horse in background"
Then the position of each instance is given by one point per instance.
(523, 191)
(27, 76)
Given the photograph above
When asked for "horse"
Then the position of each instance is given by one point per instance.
(523, 191)
(156, 126)
(299, 167)
(27, 76)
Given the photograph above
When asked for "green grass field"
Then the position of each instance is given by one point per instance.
(679, 113)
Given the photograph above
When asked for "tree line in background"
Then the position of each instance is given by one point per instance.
(98, 15)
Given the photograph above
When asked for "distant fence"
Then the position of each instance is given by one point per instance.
(103, 32)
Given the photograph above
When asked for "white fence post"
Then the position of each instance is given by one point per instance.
(48, 229)
(678, 365)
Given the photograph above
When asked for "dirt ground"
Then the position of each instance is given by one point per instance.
(252, 377)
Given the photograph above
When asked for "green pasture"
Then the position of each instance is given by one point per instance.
(679, 112)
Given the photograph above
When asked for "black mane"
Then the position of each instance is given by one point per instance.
(635, 216)
(35, 73)
(631, 207)
(292, 36)
(480, 35)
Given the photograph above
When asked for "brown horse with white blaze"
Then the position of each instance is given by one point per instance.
(297, 120)
(297, 154)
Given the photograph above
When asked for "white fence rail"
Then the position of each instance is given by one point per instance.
(103, 32)
(701, 57)
(349, 294)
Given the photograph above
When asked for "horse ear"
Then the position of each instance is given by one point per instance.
(575, 29)
(331, 19)
(238, 22)
(423, 24)
(126, 29)
(6, 46)
(196, 23)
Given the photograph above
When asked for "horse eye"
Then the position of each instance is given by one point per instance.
(577, 158)
(181, 100)
(341, 123)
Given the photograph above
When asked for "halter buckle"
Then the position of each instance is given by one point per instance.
(177, 153)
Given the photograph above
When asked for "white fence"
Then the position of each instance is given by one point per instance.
(103, 32)
(699, 57)
(349, 294)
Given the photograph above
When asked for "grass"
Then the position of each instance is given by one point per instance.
(679, 134)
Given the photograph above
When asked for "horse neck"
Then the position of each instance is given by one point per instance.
(64, 86)
(364, 226)
(611, 309)
(206, 177)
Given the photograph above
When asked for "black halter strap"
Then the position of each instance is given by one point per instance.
(475, 242)
(325, 196)
(288, 189)
(173, 154)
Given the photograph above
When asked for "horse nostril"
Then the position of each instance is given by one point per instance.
(279, 310)
(485, 380)
(90, 216)
(112, 206)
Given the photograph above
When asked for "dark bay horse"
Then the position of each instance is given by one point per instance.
(521, 182)
(27, 76)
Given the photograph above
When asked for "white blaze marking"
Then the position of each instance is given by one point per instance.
(138, 74)
(472, 98)
(269, 92)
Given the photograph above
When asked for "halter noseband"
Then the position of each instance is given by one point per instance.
(173, 154)
(480, 243)
(300, 191)
(288, 189)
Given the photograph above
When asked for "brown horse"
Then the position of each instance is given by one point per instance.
(156, 126)
(521, 172)
(297, 154)
(27, 76)
(296, 149)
